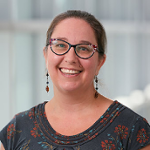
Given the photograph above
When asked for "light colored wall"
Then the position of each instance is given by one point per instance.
(23, 26)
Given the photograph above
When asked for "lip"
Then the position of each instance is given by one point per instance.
(70, 71)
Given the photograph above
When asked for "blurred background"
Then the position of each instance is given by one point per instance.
(23, 25)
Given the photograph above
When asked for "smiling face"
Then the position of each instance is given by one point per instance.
(69, 72)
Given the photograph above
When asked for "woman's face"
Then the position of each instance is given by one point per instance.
(69, 72)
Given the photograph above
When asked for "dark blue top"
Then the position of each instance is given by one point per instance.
(119, 128)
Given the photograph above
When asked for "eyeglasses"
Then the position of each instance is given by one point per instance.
(61, 47)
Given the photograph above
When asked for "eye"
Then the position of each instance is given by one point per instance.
(84, 48)
(59, 45)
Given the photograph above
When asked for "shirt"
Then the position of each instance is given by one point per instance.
(119, 128)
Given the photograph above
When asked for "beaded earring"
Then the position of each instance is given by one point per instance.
(96, 88)
(47, 88)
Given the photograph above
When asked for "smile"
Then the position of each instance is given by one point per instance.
(69, 71)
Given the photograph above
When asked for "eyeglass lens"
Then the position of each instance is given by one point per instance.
(60, 47)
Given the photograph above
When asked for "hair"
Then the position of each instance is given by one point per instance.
(99, 31)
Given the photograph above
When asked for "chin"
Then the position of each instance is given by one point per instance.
(70, 88)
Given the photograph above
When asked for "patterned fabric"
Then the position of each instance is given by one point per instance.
(119, 128)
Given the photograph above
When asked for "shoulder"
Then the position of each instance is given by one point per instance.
(137, 127)
(132, 121)
(129, 129)
(128, 115)
(20, 126)
(29, 114)
(135, 121)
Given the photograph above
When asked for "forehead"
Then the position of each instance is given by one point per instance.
(74, 27)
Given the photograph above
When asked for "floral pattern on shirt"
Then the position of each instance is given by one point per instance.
(108, 133)
(142, 136)
(108, 145)
(11, 131)
(122, 132)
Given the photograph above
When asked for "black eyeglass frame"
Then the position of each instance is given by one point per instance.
(74, 46)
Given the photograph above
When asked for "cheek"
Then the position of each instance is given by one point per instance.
(53, 58)
(94, 65)
(91, 68)
(52, 62)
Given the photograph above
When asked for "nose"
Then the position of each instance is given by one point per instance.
(71, 56)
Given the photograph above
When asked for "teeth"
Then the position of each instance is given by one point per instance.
(69, 71)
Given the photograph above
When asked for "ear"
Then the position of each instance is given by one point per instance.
(100, 63)
(45, 56)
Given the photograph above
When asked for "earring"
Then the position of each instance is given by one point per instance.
(47, 88)
(96, 88)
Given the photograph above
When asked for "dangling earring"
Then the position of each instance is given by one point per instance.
(47, 88)
(96, 88)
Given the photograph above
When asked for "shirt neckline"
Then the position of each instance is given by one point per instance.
(52, 136)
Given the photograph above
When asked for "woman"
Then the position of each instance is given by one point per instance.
(77, 117)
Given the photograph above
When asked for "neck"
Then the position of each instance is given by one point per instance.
(72, 101)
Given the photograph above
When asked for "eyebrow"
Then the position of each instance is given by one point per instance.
(62, 38)
(84, 42)
(80, 42)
